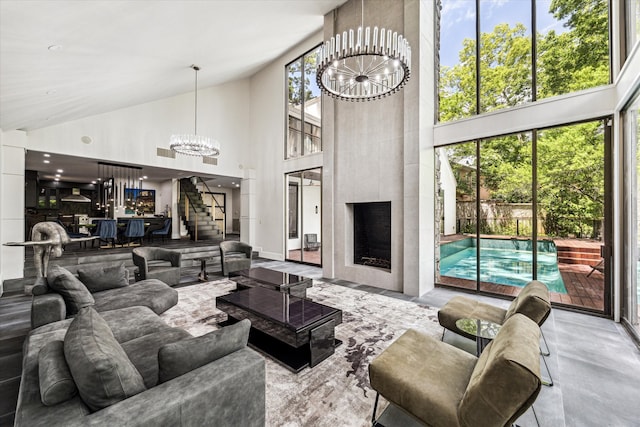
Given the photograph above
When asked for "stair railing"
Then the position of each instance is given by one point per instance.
(187, 205)
(216, 206)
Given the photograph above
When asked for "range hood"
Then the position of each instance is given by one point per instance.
(75, 196)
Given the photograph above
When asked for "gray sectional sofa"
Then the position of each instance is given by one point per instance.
(61, 294)
(126, 367)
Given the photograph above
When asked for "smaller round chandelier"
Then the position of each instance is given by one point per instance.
(194, 144)
(364, 64)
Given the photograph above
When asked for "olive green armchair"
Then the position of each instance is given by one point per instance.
(443, 386)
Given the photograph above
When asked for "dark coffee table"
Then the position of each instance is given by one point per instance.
(291, 284)
(296, 332)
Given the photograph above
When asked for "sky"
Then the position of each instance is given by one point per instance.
(458, 21)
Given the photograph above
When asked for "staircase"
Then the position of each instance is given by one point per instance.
(207, 228)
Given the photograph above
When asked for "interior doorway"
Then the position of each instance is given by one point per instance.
(304, 213)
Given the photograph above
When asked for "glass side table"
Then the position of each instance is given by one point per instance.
(483, 330)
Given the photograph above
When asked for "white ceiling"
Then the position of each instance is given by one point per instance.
(115, 54)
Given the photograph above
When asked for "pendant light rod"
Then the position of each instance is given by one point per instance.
(194, 145)
(195, 124)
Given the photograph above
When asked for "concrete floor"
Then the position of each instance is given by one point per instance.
(594, 364)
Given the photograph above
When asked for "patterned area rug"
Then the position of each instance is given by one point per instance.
(336, 392)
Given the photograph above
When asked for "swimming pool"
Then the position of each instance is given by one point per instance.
(502, 261)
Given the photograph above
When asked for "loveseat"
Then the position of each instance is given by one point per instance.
(127, 367)
(62, 294)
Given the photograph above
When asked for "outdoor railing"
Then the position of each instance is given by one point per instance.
(571, 227)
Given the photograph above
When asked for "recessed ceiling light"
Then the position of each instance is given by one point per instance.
(54, 47)
(144, 176)
(56, 179)
(237, 185)
(47, 155)
(59, 171)
(46, 161)
(93, 182)
(233, 182)
(219, 185)
(57, 175)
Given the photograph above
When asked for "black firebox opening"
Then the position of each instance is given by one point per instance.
(372, 234)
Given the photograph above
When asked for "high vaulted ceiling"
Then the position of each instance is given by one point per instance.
(64, 60)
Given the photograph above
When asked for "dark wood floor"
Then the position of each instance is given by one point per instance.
(15, 309)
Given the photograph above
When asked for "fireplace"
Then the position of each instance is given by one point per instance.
(372, 234)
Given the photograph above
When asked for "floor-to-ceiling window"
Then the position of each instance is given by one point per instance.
(525, 206)
(304, 213)
(304, 107)
(486, 51)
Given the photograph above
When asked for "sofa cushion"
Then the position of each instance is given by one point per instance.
(56, 382)
(532, 301)
(506, 378)
(180, 357)
(424, 376)
(75, 293)
(100, 367)
(143, 351)
(152, 293)
(101, 278)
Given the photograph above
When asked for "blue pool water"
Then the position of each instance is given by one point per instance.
(504, 262)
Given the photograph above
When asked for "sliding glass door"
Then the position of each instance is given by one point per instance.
(524, 206)
(304, 213)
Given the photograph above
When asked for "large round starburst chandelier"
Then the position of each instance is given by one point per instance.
(363, 64)
(194, 144)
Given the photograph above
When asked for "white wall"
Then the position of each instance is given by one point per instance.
(12, 209)
(267, 123)
(163, 196)
(132, 134)
(448, 185)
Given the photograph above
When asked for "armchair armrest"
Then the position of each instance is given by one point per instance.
(248, 250)
(174, 257)
(140, 262)
(46, 309)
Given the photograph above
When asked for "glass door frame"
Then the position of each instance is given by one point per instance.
(300, 214)
(607, 237)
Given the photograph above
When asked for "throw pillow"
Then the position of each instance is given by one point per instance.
(75, 293)
(56, 382)
(98, 279)
(100, 368)
(178, 358)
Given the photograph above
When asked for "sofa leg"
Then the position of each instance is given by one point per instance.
(548, 382)
(547, 351)
(534, 416)
(443, 331)
(375, 407)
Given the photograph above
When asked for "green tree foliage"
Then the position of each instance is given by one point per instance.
(570, 159)
(570, 178)
(299, 84)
